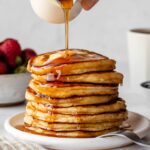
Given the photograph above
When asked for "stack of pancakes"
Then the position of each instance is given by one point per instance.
(73, 93)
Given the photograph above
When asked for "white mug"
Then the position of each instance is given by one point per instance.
(50, 10)
(139, 57)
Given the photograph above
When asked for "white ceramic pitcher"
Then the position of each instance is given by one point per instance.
(51, 11)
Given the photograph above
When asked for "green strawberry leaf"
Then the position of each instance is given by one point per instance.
(18, 61)
(20, 69)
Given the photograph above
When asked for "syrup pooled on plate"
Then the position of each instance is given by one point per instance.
(22, 128)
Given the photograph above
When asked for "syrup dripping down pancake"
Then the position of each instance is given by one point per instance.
(79, 110)
(32, 96)
(94, 77)
(65, 90)
(68, 62)
(30, 121)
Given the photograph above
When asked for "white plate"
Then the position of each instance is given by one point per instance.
(139, 123)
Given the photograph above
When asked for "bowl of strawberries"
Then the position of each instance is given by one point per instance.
(13, 74)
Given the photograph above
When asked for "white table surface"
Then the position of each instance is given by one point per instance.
(136, 102)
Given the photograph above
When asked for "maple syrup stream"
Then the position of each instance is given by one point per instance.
(66, 6)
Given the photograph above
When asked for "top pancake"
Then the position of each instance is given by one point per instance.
(69, 62)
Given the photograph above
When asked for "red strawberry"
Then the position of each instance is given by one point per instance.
(12, 51)
(28, 54)
(3, 68)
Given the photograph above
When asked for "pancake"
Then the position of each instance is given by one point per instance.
(68, 62)
(51, 117)
(73, 93)
(71, 134)
(68, 102)
(65, 90)
(30, 121)
(98, 77)
(79, 110)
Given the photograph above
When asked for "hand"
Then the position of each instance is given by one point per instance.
(88, 4)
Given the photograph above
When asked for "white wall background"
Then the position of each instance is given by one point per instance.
(103, 29)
